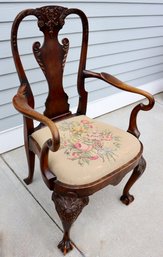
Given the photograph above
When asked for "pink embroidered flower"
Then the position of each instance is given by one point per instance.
(77, 145)
(85, 121)
(65, 143)
(83, 147)
(95, 157)
(75, 155)
(108, 138)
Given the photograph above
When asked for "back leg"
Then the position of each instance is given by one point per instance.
(126, 198)
(31, 165)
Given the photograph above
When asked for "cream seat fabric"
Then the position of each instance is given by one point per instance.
(89, 149)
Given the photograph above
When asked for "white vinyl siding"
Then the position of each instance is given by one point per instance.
(125, 40)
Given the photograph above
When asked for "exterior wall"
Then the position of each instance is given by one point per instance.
(126, 40)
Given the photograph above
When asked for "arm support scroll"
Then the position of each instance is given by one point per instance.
(119, 84)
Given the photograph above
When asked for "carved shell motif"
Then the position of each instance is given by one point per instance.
(50, 17)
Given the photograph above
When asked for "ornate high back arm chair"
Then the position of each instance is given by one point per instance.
(78, 155)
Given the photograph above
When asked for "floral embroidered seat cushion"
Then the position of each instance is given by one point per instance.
(89, 150)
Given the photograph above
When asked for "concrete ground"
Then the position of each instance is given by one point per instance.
(29, 224)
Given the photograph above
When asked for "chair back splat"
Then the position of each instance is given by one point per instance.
(51, 57)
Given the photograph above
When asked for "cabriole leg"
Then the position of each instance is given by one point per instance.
(31, 164)
(68, 207)
(126, 198)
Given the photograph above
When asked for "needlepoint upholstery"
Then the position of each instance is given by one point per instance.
(89, 149)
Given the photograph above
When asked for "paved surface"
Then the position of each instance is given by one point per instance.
(29, 224)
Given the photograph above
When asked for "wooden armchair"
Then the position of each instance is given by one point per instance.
(78, 155)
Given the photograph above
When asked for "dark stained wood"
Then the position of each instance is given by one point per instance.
(68, 207)
(133, 129)
(69, 200)
(126, 198)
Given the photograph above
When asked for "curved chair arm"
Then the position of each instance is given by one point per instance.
(121, 85)
(21, 105)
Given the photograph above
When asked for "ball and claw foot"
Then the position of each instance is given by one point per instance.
(65, 246)
(127, 199)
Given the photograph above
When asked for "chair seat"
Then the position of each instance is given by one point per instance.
(89, 149)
